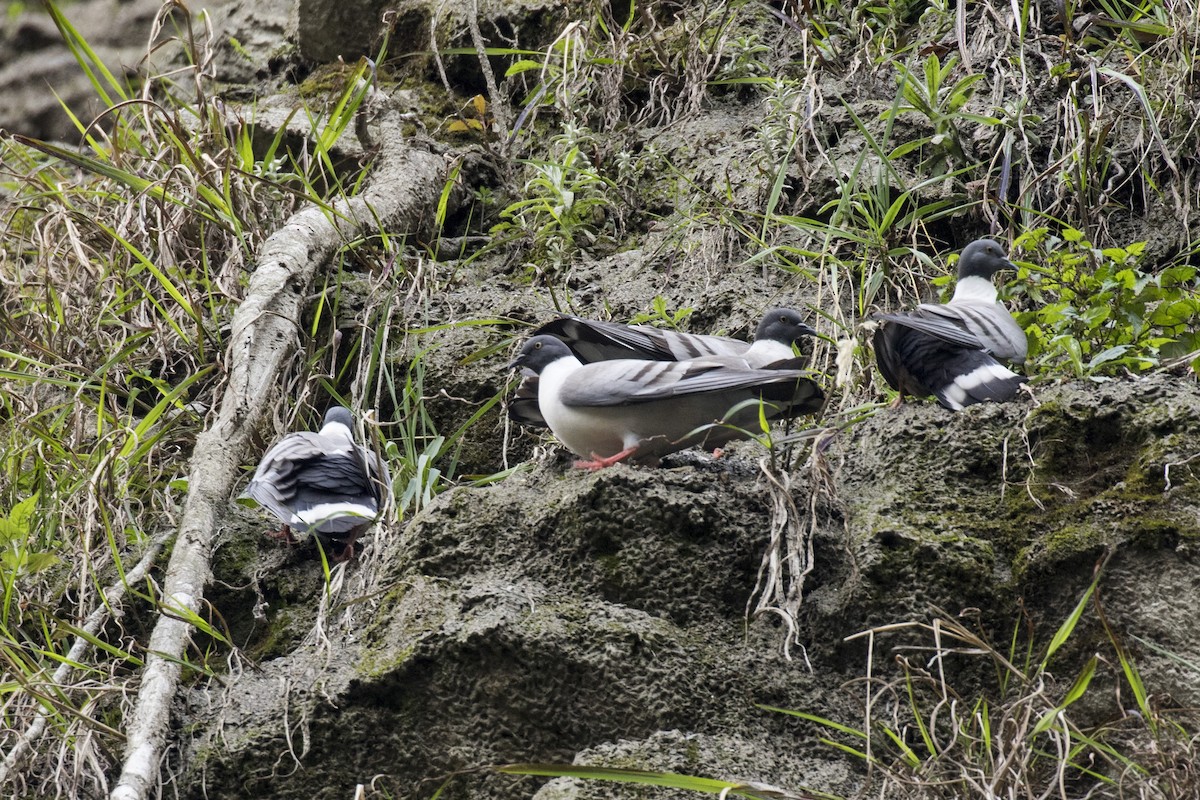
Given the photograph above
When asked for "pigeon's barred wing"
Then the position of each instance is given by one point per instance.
(706, 378)
(989, 323)
(594, 340)
(342, 474)
(627, 382)
(618, 383)
(916, 363)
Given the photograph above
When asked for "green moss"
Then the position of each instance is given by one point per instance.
(379, 661)
(325, 81)
(1060, 545)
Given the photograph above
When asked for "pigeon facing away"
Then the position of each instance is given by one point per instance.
(323, 482)
(593, 340)
(953, 351)
(638, 410)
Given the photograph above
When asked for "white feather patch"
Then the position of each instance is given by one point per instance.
(957, 395)
(323, 512)
(974, 289)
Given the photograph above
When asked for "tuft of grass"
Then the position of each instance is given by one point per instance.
(925, 735)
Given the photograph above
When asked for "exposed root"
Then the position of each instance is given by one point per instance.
(787, 559)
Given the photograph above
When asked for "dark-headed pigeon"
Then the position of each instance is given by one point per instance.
(637, 410)
(953, 351)
(323, 482)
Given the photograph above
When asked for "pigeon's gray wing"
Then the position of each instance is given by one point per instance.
(947, 328)
(791, 391)
(616, 383)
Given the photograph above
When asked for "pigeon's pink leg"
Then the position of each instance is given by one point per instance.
(284, 534)
(600, 463)
(348, 550)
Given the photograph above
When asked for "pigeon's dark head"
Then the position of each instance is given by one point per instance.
(783, 325)
(983, 258)
(539, 352)
(339, 415)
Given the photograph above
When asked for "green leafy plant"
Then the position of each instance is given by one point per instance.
(660, 316)
(562, 209)
(931, 94)
(16, 557)
(1095, 312)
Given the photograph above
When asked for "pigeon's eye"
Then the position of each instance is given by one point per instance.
(537, 345)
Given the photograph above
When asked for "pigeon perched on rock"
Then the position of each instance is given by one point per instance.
(954, 351)
(638, 410)
(593, 340)
(323, 482)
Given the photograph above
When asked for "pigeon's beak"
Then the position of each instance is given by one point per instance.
(519, 361)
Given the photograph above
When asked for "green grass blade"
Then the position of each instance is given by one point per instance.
(828, 723)
(1067, 628)
(91, 64)
(669, 780)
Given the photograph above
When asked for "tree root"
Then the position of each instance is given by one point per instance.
(404, 189)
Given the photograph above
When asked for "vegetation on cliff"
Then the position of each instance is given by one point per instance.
(684, 165)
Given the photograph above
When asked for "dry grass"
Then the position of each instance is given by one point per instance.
(120, 267)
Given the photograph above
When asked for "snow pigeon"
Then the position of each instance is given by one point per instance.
(593, 340)
(639, 410)
(953, 351)
(323, 482)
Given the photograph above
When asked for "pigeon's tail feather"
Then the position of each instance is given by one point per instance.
(523, 407)
(980, 379)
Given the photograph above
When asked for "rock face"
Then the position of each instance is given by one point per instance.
(559, 614)
(34, 57)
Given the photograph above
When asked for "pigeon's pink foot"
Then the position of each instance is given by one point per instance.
(284, 534)
(600, 463)
(348, 550)
(899, 401)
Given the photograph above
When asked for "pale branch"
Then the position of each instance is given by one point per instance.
(403, 191)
